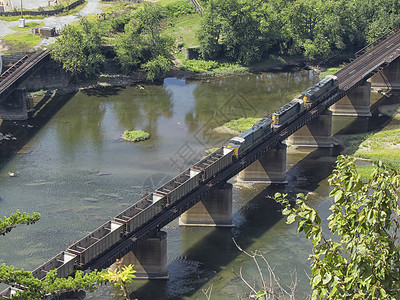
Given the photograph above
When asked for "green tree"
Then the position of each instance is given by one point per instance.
(120, 277)
(15, 219)
(143, 39)
(362, 259)
(128, 47)
(35, 289)
(78, 49)
(157, 67)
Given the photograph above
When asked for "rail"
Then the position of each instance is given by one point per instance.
(351, 76)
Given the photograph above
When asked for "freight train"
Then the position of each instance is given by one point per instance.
(139, 214)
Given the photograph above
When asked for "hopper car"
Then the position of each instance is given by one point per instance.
(140, 213)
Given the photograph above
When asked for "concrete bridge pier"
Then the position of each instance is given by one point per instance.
(356, 103)
(270, 168)
(16, 106)
(388, 78)
(316, 133)
(149, 258)
(214, 210)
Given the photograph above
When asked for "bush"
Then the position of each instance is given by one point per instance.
(157, 67)
(178, 8)
(135, 135)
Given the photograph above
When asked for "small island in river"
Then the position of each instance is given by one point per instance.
(135, 135)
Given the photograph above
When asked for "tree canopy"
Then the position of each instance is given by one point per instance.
(246, 30)
(362, 258)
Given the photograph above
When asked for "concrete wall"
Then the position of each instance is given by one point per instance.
(317, 133)
(149, 258)
(270, 168)
(50, 75)
(214, 210)
(388, 78)
(357, 103)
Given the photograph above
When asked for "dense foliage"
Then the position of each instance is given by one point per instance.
(120, 277)
(143, 42)
(78, 49)
(52, 285)
(16, 218)
(362, 259)
(35, 289)
(247, 30)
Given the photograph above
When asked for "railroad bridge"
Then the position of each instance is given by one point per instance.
(209, 203)
(13, 102)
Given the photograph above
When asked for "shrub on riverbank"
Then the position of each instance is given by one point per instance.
(242, 124)
(135, 135)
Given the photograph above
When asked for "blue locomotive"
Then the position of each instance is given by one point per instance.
(250, 137)
(320, 91)
(284, 115)
(141, 212)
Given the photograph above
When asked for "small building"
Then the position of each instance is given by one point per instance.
(47, 31)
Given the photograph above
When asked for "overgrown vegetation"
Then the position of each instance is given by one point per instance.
(245, 31)
(329, 71)
(21, 41)
(363, 259)
(135, 135)
(242, 124)
(383, 145)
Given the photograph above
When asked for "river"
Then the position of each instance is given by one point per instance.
(78, 173)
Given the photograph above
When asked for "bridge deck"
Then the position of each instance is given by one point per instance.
(351, 76)
(12, 77)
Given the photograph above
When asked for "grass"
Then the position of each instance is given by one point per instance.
(28, 26)
(329, 71)
(21, 41)
(110, 7)
(211, 67)
(135, 135)
(383, 145)
(184, 28)
(242, 124)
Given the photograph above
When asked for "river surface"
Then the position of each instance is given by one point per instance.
(78, 173)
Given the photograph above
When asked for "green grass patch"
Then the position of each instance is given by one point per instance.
(122, 7)
(21, 41)
(212, 150)
(28, 26)
(242, 124)
(365, 171)
(211, 67)
(329, 71)
(135, 135)
(184, 28)
(383, 146)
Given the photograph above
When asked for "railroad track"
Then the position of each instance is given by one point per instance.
(13, 75)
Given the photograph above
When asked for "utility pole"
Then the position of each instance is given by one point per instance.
(21, 10)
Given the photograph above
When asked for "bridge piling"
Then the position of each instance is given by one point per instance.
(214, 210)
(16, 106)
(356, 103)
(388, 78)
(149, 258)
(269, 168)
(316, 134)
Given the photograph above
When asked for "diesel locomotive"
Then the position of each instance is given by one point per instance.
(139, 214)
